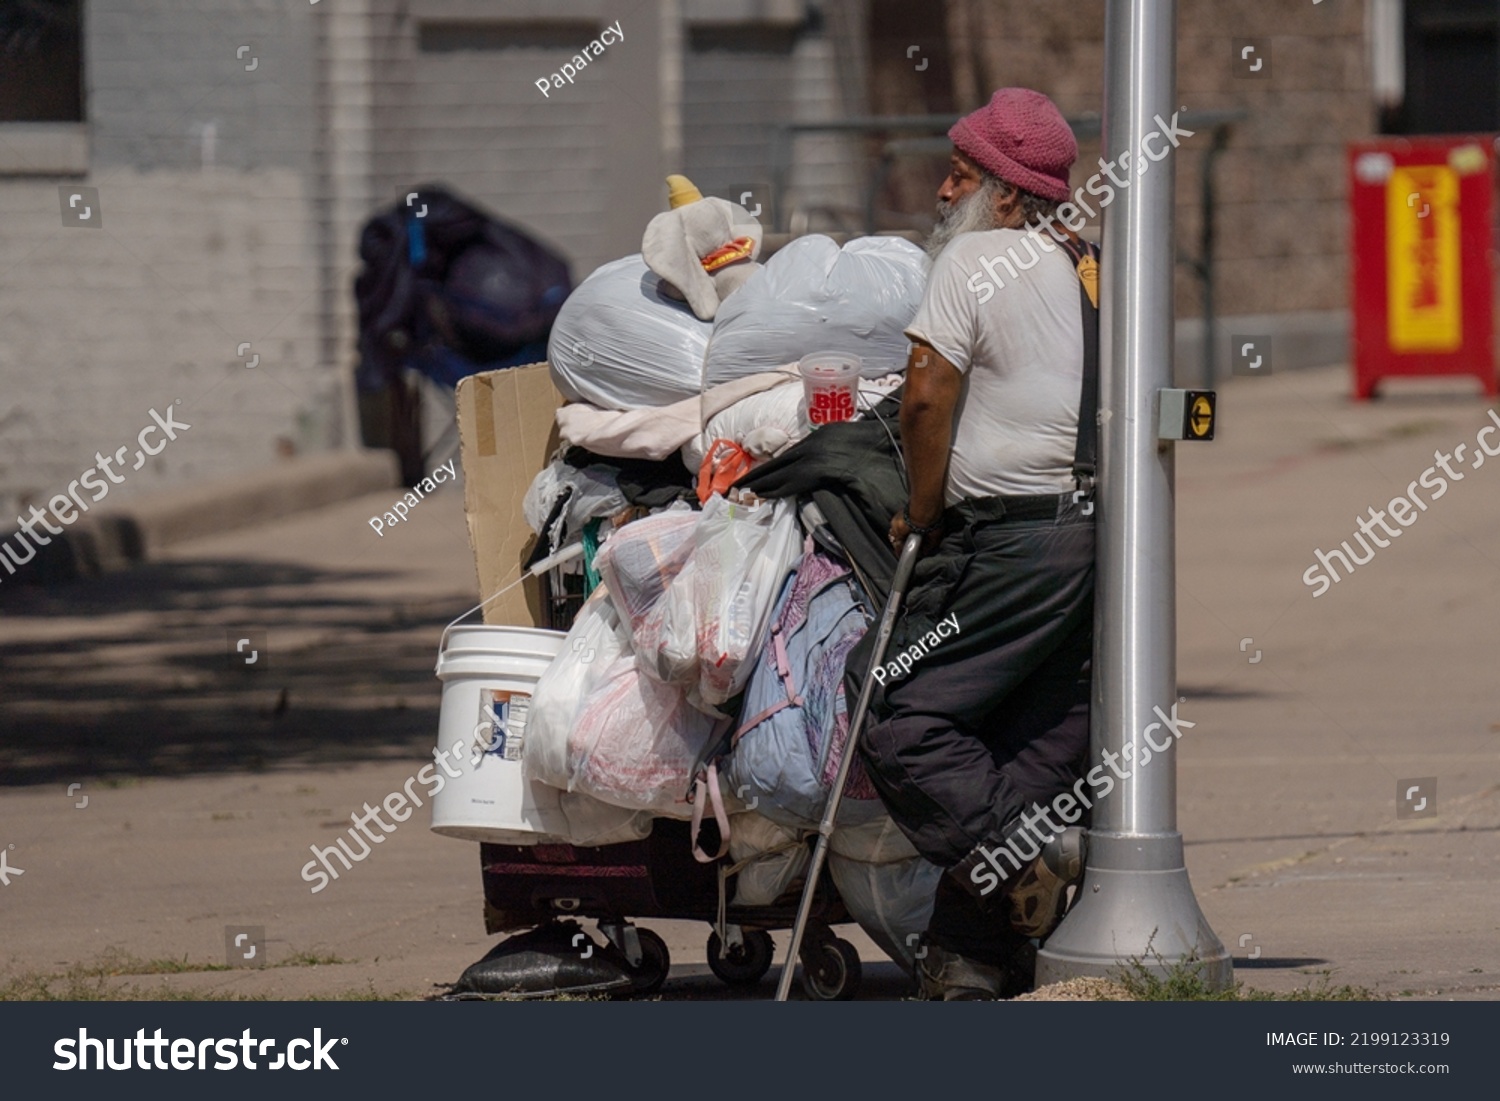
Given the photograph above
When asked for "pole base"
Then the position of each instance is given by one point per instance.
(1137, 905)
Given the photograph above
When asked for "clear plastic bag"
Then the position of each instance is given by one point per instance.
(600, 728)
(741, 556)
(891, 902)
(640, 560)
(596, 642)
(666, 641)
(877, 842)
(705, 633)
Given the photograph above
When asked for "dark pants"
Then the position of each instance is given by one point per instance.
(993, 718)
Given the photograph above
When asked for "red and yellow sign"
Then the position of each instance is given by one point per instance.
(1422, 282)
(1421, 260)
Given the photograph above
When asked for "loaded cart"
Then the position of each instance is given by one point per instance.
(651, 719)
(552, 852)
(488, 673)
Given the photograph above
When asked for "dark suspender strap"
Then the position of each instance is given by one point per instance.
(1086, 449)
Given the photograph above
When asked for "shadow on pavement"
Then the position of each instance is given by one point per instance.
(130, 673)
(1276, 963)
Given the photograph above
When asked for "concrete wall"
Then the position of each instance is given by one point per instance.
(581, 167)
(738, 90)
(205, 241)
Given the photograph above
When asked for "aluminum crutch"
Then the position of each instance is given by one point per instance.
(904, 566)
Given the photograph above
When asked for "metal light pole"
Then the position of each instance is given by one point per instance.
(1137, 902)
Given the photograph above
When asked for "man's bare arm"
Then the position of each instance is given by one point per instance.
(928, 403)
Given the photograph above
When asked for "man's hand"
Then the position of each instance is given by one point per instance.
(900, 529)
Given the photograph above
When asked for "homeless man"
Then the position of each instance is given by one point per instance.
(980, 717)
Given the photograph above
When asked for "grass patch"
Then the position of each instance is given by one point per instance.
(90, 980)
(369, 994)
(1187, 982)
(311, 959)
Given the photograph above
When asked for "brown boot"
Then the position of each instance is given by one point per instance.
(944, 976)
(1040, 896)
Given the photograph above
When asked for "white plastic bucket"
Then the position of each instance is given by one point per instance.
(830, 381)
(488, 675)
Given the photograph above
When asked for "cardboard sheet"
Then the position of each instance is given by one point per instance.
(507, 430)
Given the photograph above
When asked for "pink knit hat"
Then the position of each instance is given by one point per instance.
(1020, 136)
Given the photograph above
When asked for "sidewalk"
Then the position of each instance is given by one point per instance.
(1287, 784)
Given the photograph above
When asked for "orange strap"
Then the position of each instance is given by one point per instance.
(724, 463)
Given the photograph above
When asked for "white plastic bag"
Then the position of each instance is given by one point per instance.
(620, 343)
(577, 819)
(766, 424)
(592, 823)
(763, 424)
(775, 858)
(635, 742)
(812, 296)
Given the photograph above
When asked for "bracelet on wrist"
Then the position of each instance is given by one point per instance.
(917, 528)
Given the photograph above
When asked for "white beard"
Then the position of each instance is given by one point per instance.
(973, 214)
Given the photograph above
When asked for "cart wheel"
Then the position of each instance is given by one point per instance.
(656, 961)
(745, 965)
(835, 977)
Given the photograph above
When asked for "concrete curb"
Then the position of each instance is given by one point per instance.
(117, 538)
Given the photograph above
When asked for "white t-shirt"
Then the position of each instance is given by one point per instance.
(1018, 340)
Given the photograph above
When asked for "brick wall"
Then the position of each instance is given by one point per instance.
(1282, 223)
